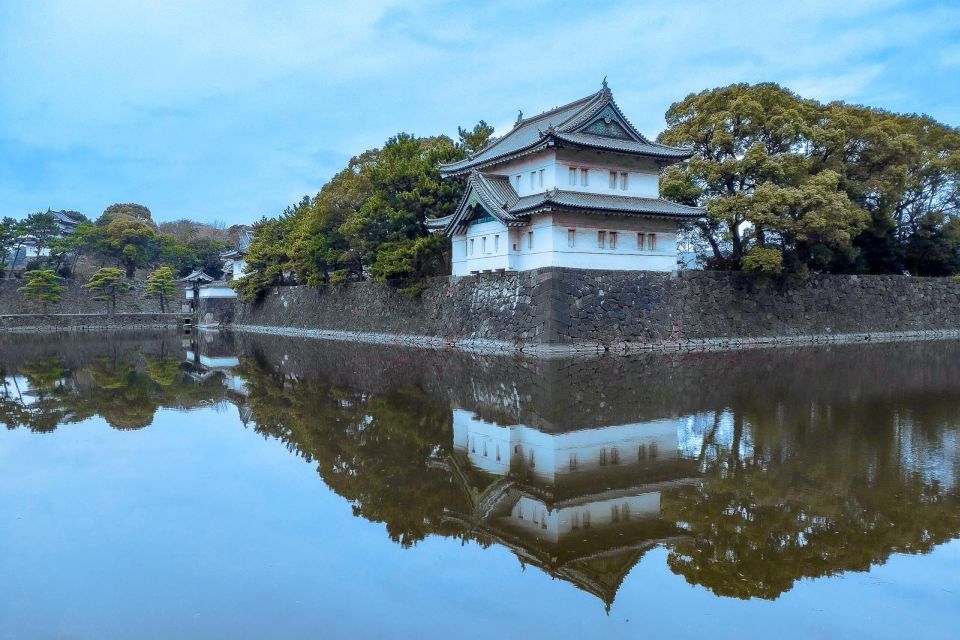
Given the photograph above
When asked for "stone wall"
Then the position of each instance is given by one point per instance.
(35, 322)
(599, 309)
(76, 299)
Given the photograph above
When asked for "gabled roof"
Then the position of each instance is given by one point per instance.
(197, 276)
(492, 193)
(495, 196)
(595, 122)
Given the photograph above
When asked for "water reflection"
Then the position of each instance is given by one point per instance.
(754, 469)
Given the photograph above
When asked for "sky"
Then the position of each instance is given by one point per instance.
(229, 111)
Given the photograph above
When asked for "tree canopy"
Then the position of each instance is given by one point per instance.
(793, 185)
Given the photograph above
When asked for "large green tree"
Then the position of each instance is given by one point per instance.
(108, 284)
(794, 185)
(162, 284)
(43, 287)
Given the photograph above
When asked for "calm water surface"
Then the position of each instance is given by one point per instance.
(162, 486)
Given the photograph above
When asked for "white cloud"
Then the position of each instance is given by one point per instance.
(224, 109)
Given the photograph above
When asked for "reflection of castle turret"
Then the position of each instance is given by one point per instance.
(584, 505)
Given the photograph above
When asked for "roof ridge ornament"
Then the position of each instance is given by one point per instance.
(603, 86)
(519, 117)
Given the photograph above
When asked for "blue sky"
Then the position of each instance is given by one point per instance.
(232, 110)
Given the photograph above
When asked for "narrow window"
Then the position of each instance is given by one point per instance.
(584, 177)
(574, 520)
(466, 250)
(484, 448)
(573, 462)
(653, 451)
(613, 239)
(515, 246)
(641, 240)
(496, 243)
(517, 181)
(603, 457)
(571, 237)
(529, 239)
(519, 512)
(473, 445)
(483, 244)
(533, 459)
(614, 455)
(615, 513)
(533, 179)
(625, 511)
(601, 239)
(541, 177)
(623, 181)
(642, 452)
(586, 519)
(652, 241)
(613, 179)
(498, 452)
(573, 175)
(471, 246)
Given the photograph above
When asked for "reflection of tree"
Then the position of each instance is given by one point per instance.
(124, 387)
(376, 450)
(824, 490)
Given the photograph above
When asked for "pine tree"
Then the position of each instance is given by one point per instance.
(108, 283)
(43, 286)
(162, 284)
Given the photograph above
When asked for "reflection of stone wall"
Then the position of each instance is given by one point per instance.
(561, 394)
(566, 306)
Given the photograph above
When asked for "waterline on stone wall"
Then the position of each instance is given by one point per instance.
(546, 350)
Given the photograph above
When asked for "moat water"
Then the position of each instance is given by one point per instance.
(218, 486)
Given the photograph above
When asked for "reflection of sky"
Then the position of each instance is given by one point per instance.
(196, 527)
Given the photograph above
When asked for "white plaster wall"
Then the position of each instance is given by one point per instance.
(550, 246)
(495, 258)
(238, 267)
(532, 514)
(548, 455)
(522, 167)
(215, 292)
(643, 181)
(643, 176)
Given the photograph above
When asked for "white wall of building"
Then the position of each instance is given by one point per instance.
(643, 177)
(532, 514)
(493, 448)
(545, 242)
(484, 248)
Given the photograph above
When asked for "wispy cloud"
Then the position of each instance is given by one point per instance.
(233, 109)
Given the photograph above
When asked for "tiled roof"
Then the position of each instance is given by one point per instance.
(564, 124)
(624, 146)
(497, 197)
(605, 203)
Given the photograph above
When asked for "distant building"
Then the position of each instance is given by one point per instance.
(235, 259)
(576, 186)
(67, 221)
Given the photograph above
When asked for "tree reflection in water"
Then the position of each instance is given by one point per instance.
(753, 469)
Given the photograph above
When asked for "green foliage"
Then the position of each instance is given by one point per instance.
(765, 260)
(43, 287)
(129, 211)
(8, 236)
(107, 284)
(269, 256)
(475, 139)
(833, 187)
(163, 284)
(368, 221)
